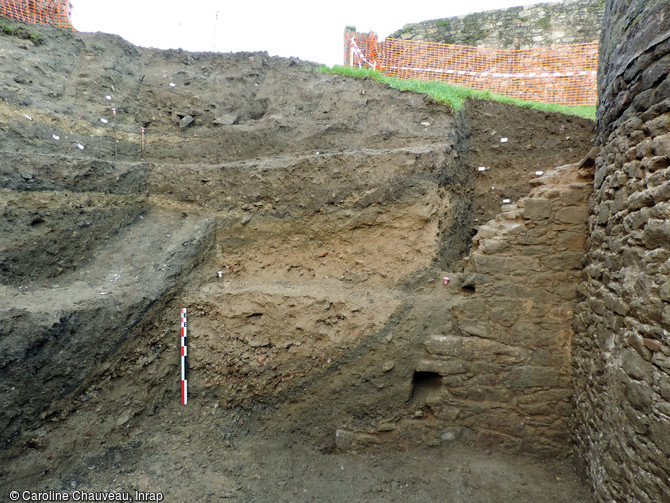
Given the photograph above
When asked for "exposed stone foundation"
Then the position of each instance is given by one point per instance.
(504, 362)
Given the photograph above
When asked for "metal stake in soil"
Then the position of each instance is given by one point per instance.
(116, 139)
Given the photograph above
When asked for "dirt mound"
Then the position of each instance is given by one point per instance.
(330, 207)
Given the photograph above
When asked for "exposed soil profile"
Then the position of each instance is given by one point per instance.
(331, 207)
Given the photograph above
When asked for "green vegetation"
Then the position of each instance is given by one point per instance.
(544, 23)
(22, 33)
(446, 36)
(99, 47)
(455, 96)
(350, 28)
(6, 29)
(635, 21)
(37, 38)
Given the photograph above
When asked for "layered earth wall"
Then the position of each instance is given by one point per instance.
(332, 207)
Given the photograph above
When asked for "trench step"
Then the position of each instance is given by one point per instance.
(55, 336)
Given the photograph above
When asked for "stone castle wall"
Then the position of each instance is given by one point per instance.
(622, 347)
(544, 24)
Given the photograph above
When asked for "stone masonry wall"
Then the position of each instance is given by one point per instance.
(622, 353)
(504, 362)
(544, 24)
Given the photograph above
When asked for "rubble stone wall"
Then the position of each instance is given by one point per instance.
(622, 347)
(504, 361)
(539, 25)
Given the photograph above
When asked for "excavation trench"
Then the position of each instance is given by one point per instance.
(306, 221)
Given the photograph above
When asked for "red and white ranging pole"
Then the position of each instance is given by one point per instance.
(184, 354)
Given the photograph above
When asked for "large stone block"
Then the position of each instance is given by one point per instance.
(658, 126)
(636, 220)
(658, 162)
(546, 358)
(636, 367)
(537, 208)
(639, 394)
(538, 249)
(567, 290)
(530, 335)
(531, 376)
(563, 261)
(469, 348)
(644, 148)
(661, 145)
(478, 329)
(442, 367)
(573, 214)
(657, 234)
(531, 289)
(664, 292)
(493, 246)
(449, 345)
(615, 304)
(571, 240)
(490, 264)
(664, 387)
(661, 193)
(657, 179)
(474, 308)
(665, 316)
(638, 65)
(659, 431)
(602, 213)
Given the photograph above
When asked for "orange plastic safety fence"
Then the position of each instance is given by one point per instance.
(53, 12)
(564, 74)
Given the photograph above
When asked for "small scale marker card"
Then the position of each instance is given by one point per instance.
(184, 354)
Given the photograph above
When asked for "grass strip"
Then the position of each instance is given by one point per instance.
(455, 96)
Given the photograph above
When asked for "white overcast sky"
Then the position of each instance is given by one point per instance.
(310, 30)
